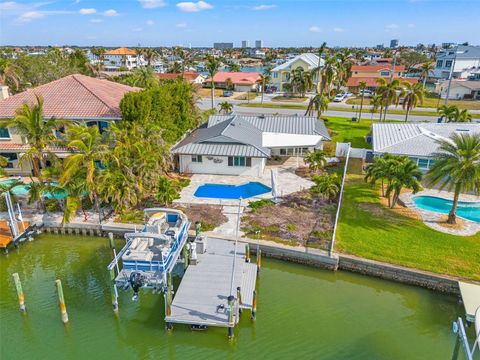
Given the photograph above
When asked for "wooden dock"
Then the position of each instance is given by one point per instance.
(6, 235)
(201, 299)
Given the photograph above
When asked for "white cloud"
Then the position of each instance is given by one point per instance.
(339, 30)
(181, 25)
(189, 6)
(150, 22)
(111, 12)
(87, 11)
(152, 4)
(30, 15)
(264, 7)
(96, 21)
(314, 29)
(411, 26)
(10, 5)
(391, 27)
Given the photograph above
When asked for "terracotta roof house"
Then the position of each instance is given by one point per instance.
(371, 73)
(80, 98)
(242, 81)
(190, 76)
(120, 51)
(122, 57)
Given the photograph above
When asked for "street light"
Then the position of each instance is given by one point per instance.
(450, 76)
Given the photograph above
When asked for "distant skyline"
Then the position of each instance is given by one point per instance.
(279, 23)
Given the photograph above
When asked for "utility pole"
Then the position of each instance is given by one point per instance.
(450, 76)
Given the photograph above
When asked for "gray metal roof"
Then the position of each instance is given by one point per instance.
(416, 139)
(309, 58)
(298, 125)
(463, 52)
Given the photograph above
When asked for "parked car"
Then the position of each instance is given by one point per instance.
(340, 97)
(366, 93)
(227, 93)
(348, 94)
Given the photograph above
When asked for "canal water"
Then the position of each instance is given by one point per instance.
(303, 313)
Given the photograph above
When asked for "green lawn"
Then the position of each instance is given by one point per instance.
(347, 131)
(370, 230)
(432, 103)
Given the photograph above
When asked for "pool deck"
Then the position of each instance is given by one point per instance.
(432, 219)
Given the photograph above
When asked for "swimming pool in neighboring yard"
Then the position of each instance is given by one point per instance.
(466, 210)
(222, 191)
(23, 190)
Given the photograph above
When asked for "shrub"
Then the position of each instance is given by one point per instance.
(255, 205)
(52, 205)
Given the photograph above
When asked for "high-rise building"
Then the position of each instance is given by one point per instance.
(393, 43)
(245, 44)
(222, 46)
(259, 44)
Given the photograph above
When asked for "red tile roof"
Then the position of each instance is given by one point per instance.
(238, 78)
(72, 97)
(377, 67)
(372, 81)
(120, 51)
(189, 76)
(25, 147)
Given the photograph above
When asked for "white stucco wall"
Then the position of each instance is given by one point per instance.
(209, 166)
(289, 140)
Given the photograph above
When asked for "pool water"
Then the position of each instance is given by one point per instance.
(303, 313)
(23, 190)
(466, 210)
(221, 191)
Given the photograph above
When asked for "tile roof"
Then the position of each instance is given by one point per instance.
(121, 51)
(72, 97)
(372, 81)
(309, 58)
(238, 78)
(188, 75)
(377, 67)
(24, 147)
(415, 139)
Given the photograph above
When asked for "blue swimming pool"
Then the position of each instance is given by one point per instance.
(23, 190)
(221, 191)
(466, 210)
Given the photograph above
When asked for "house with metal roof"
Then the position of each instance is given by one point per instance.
(240, 145)
(281, 73)
(464, 59)
(418, 141)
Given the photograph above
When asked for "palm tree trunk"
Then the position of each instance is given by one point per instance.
(452, 216)
(424, 82)
(36, 167)
(406, 114)
(383, 189)
(385, 113)
(213, 93)
(97, 206)
(361, 107)
(263, 90)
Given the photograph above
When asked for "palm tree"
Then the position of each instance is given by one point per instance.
(413, 96)
(448, 112)
(315, 159)
(150, 55)
(362, 85)
(175, 68)
(30, 123)
(9, 75)
(327, 186)
(166, 192)
(81, 168)
(318, 104)
(144, 77)
(456, 167)
(264, 80)
(3, 163)
(212, 65)
(226, 107)
(297, 80)
(426, 68)
(388, 91)
(462, 115)
(405, 173)
(376, 103)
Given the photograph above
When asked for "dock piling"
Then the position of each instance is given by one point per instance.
(230, 316)
(114, 290)
(21, 297)
(254, 305)
(61, 301)
(259, 260)
(185, 257)
(111, 241)
(247, 253)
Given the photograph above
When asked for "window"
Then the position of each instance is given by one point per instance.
(197, 158)
(10, 157)
(448, 64)
(4, 133)
(384, 73)
(423, 163)
(238, 161)
(275, 75)
(439, 63)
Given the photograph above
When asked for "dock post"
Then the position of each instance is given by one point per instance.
(259, 260)
(254, 305)
(21, 297)
(230, 316)
(185, 256)
(239, 300)
(111, 241)
(114, 290)
(247, 253)
(61, 301)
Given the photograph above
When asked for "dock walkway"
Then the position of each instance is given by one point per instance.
(471, 299)
(201, 298)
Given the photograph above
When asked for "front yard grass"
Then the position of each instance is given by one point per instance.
(344, 130)
(432, 103)
(293, 99)
(368, 229)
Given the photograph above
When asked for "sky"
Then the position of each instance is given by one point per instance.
(279, 23)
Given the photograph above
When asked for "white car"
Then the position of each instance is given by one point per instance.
(366, 93)
(339, 97)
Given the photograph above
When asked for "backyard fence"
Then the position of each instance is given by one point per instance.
(357, 153)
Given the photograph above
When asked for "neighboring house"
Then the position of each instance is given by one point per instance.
(241, 145)
(417, 141)
(122, 57)
(371, 73)
(459, 89)
(466, 59)
(190, 76)
(79, 98)
(242, 81)
(281, 73)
